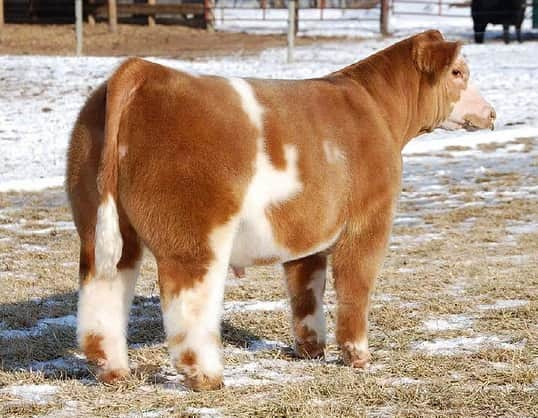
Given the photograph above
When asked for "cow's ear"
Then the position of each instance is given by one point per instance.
(435, 57)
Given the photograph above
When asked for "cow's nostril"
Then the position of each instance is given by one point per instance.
(492, 114)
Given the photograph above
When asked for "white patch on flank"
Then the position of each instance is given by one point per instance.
(448, 322)
(316, 320)
(122, 150)
(103, 310)
(39, 394)
(269, 186)
(504, 304)
(333, 154)
(196, 312)
(108, 241)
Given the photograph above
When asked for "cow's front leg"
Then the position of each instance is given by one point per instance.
(357, 259)
(192, 292)
(306, 285)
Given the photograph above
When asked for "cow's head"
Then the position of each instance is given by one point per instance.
(457, 102)
(471, 112)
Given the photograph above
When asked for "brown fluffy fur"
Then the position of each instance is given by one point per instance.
(190, 152)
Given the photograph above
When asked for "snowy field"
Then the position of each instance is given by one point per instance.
(364, 23)
(466, 236)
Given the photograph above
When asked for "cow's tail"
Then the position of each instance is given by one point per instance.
(108, 239)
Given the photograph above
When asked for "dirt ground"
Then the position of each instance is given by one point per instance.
(453, 321)
(161, 40)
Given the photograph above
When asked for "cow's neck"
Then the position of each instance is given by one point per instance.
(394, 83)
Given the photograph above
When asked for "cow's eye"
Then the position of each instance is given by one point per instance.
(456, 73)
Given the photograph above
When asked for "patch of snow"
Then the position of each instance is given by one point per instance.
(32, 185)
(250, 306)
(41, 326)
(504, 304)
(461, 345)
(58, 364)
(39, 394)
(522, 228)
(265, 345)
(448, 322)
(497, 365)
(400, 381)
(203, 412)
(408, 220)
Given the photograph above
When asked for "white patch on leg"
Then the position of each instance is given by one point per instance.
(108, 241)
(103, 310)
(360, 346)
(316, 321)
(196, 313)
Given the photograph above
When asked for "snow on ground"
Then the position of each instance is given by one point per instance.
(448, 322)
(504, 304)
(39, 394)
(464, 345)
(363, 23)
(52, 90)
(40, 328)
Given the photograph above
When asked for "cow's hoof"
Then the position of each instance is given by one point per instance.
(310, 349)
(112, 376)
(359, 359)
(201, 382)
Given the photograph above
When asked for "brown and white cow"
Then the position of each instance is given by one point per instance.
(208, 172)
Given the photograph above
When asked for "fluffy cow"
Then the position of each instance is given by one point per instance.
(498, 12)
(208, 172)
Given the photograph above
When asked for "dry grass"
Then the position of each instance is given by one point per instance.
(458, 263)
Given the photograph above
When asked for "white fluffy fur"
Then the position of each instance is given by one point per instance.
(103, 310)
(196, 312)
(108, 241)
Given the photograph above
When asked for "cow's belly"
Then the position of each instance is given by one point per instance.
(255, 244)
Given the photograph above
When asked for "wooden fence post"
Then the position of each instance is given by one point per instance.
(296, 17)
(263, 5)
(151, 18)
(209, 17)
(292, 13)
(1, 13)
(112, 16)
(78, 24)
(384, 17)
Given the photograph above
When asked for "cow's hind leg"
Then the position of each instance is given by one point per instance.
(306, 285)
(192, 292)
(518, 33)
(479, 32)
(506, 33)
(104, 305)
